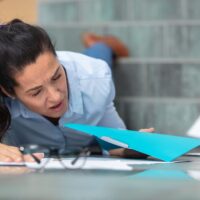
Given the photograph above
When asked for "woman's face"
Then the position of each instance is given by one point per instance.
(42, 86)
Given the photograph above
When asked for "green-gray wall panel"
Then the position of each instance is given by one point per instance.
(66, 39)
(70, 38)
(193, 9)
(130, 80)
(140, 39)
(58, 12)
(103, 10)
(157, 80)
(193, 42)
(164, 80)
(173, 117)
(176, 41)
(155, 9)
(191, 80)
(146, 41)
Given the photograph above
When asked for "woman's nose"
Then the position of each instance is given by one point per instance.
(54, 94)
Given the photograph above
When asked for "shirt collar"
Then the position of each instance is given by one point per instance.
(16, 109)
(75, 96)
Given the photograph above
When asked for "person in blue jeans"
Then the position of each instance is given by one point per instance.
(43, 89)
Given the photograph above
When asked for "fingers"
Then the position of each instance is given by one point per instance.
(126, 153)
(10, 154)
(30, 158)
(39, 155)
(117, 152)
(129, 153)
(148, 130)
(5, 149)
(4, 158)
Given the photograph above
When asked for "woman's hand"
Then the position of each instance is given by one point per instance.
(126, 153)
(129, 153)
(147, 130)
(12, 154)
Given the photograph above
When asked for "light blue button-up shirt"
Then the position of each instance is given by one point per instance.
(91, 94)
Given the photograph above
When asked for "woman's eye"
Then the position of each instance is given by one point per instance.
(57, 77)
(35, 94)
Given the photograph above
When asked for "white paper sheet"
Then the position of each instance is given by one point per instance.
(193, 154)
(93, 163)
(12, 164)
(195, 174)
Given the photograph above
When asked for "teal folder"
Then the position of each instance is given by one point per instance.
(162, 146)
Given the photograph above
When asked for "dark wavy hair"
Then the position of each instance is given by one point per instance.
(20, 45)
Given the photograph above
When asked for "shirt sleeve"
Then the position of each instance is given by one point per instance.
(9, 138)
(110, 119)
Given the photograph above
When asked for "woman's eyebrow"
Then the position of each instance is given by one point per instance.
(35, 88)
(39, 86)
(55, 73)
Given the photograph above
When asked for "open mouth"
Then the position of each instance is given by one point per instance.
(57, 106)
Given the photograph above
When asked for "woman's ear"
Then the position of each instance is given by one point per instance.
(6, 93)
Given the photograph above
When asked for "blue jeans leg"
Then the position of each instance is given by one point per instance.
(101, 51)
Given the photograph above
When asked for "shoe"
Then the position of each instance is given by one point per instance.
(119, 49)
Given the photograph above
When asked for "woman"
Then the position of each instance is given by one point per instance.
(43, 89)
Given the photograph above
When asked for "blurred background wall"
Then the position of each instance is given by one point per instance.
(159, 84)
(23, 9)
